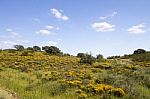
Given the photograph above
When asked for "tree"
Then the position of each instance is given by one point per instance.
(36, 48)
(139, 51)
(52, 50)
(80, 55)
(99, 57)
(19, 47)
(45, 48)
(29, 48)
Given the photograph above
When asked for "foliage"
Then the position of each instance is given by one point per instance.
(141, 57)
(36, 48)
(52, 50)
(37, 75)
(19, 47)
(87, 58)
(80, 55)
(139, 51)
(99, 57)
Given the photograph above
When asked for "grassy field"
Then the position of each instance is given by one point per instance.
(42, 76)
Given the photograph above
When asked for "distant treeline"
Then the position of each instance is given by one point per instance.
(139, 55)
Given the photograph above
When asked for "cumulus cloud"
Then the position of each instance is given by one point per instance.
(109, 16)
(103, 27)
(59, 15)
(44, 32)
(137, 29)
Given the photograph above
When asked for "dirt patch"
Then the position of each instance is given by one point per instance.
(5, 94)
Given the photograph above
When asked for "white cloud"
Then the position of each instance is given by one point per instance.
(9, 30)
(109, 16)
(44, 32)
(7, 44)
(103, 27)
(49, 27)
(49, 43)
(58, 14)
(137, 29)
(13, 33)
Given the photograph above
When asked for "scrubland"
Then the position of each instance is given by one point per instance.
(38, 75)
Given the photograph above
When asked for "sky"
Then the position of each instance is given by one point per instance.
(107, 27)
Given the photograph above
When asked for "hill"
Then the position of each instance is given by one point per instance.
(39, 75)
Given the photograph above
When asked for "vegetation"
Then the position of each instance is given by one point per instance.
(52, 50)
(30, 73)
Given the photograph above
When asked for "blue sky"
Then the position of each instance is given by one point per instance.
(109, 27)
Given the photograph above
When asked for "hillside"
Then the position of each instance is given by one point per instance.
(38, 75)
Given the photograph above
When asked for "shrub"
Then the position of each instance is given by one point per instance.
(88, 59)
(56, 88)
(141, 57)
(118, 92)
(79, 91)
(24, 53)
(82, 96)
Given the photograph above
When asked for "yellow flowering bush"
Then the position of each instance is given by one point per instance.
(74, 82)
(119, 92)
(82, 96)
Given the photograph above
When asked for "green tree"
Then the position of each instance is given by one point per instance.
(52, 50)
(139, 51)
(99, 57)
(29, 48)
(36, 48)
(80, 55)
(19, 47)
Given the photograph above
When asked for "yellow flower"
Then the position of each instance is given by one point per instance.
(118, 92)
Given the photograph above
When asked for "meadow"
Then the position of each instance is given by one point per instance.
(39, 75)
